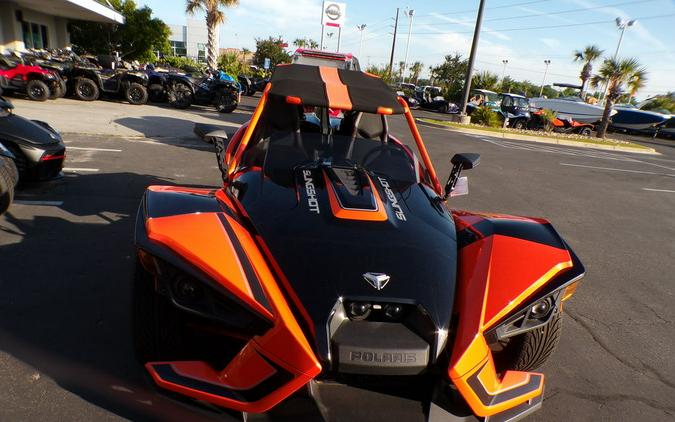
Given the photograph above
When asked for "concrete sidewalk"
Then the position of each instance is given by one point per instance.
(116, 118)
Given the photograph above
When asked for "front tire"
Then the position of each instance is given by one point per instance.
(519, 124)
(180, 96)
(37, 90)
(136, 94)
(227, 103)
(586, 131)
(529, 351)
(85, 89)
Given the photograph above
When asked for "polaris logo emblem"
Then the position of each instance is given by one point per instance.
(377, 280)
(385, 357)
(398, 211)
(312, 202)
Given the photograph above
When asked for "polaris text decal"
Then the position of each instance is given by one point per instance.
(312, 202)
(392, 198)
(395, 357)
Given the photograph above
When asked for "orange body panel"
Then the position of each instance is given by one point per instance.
(202, 240)
(378, 214)
(240, 147)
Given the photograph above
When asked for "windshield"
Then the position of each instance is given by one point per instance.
(320, 61)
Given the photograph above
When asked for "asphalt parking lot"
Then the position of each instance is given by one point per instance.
(66, 248)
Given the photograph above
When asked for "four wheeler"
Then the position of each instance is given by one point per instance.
(36, 82)
(560, 124)
(430, 98)
(38, 150)
(183, 91)
(88, 83)
(516, 108)
(330, 263)
(9, 177)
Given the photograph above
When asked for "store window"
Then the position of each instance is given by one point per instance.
(178, 48)
(201, 52)
(35, 35)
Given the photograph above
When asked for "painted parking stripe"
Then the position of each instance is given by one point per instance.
(659, 190)
(75, 170)
(94, 149)
(615, 169)
(49, 203)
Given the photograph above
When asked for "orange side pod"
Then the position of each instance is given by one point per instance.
(495, 274)
(270, 367)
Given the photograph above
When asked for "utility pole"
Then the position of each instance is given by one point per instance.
(410, 13)
(393, 45)
(472, 57)
(339, 37)
(322, 31)
(541, 91)
(361, 28)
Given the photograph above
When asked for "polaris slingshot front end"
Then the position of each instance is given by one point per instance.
(329, 261)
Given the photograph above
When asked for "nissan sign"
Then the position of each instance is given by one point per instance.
(333, 14)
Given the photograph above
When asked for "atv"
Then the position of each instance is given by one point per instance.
(38, 83)
(329, 266)
(211, 89)
(560, 124)
(88, 83)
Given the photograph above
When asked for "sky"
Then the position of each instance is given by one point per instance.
(524, 32)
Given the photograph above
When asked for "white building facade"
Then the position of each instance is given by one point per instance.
(44, 23)
(189, 40)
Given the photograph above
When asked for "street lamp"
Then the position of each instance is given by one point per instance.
(541, 91)
(505, 62)
(410, 13)
(622, 25)
(361, 28)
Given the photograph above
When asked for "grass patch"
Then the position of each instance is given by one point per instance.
(540, 134)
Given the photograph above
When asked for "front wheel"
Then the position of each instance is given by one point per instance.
(519, 124)
(136, 94)
(37, 90)
(180, 96)
(586, 131)
(529, 351)
(8, 179)
(227, 102)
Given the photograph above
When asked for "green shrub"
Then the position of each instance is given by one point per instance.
(183, 63)
(486, 117)
(548, 116)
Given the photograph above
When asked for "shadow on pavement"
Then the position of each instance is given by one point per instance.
(65, 307)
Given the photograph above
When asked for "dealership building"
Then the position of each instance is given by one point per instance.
(44, 23)
(189, 40)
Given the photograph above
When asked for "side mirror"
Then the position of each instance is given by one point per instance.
(464, 161)
(220, 142)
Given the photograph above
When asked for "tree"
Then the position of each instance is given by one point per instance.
(381, 71)
(138, 39)
(617, 75)
(588, 55)
(305, 43)
(661, 102)
(450, 75)
(270, 48)
(507, 84)
(415, 70)
(231, 64)
(214, 17)
(485, 80)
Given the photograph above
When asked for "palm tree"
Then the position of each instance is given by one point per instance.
(300, 42)
(617, 75)
(415, 70)
(588, 55)
(485, 80)
(214, 17)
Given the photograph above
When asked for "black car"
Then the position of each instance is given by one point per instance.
(37, 148)
(516, 108)
(8, 178)
(430, 98)
(183, 91)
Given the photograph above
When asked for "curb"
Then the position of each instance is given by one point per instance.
(538, 139)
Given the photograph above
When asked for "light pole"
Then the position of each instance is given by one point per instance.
(472, 57)
(504, 62)
(622, 25)
(546, 62)
(410, 13)
(361, 28)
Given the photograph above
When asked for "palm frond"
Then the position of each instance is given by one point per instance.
(193, 6)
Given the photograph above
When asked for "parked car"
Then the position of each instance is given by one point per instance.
(325, 58)
(36, 82)
(516, 109)
(183, 91)
(37, 148)
(430, 98)
(483, 97)
(9, 177)
(330, 261)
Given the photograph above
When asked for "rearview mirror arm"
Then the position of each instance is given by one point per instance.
(452, 180)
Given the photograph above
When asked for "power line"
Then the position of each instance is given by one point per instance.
(488, 8)
(543, 27)
(557, 12)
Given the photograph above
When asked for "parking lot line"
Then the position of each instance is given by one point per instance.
(50, 203)
(75, 170)
(615, 169)
(94, 149)
(659, 190)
